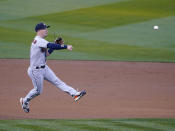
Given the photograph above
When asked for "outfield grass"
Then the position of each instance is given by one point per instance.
(119, 30)
(89, 125)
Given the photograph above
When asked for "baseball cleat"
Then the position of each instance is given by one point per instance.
(25, 106)
(79, 95)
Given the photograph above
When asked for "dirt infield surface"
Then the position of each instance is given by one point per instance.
(114, 90)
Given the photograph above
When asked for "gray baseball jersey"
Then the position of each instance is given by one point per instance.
(37, 57)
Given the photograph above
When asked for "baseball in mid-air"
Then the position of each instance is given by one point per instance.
(156, 27)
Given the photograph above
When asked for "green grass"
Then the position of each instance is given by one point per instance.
(119, 30)
(15, 9)
(115, 14)
(89, 125)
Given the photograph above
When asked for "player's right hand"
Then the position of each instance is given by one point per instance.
(69, 47)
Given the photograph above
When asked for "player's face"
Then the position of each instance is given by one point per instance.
(43, 32)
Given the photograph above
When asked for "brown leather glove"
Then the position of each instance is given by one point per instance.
(59, 40)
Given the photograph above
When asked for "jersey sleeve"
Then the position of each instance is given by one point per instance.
(42, 43)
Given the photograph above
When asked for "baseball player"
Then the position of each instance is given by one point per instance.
(38, 71)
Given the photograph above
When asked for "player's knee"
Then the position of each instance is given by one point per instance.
(61, 85)
(56, 82)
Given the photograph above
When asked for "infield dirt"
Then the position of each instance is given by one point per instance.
(114, 90)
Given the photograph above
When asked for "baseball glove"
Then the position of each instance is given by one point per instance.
(59, 40)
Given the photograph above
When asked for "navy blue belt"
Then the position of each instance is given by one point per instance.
(38, 67)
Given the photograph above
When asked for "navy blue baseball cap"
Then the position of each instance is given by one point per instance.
(41, 26)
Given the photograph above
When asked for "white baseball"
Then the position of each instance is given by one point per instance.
(156, 27)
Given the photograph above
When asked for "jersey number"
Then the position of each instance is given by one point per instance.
(34, 41)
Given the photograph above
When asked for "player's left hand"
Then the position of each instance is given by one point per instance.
(59, 40)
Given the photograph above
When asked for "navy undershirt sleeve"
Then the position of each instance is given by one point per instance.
(50, 50)
(56, 46)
